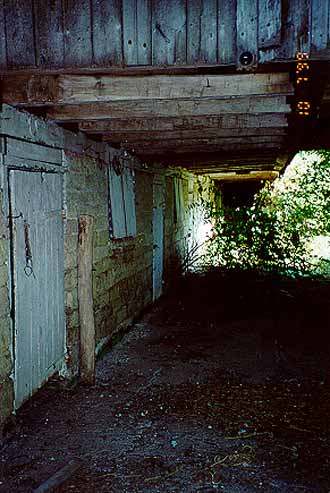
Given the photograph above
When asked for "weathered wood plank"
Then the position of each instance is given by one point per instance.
(247, 28)
(202, 142)
(60, 477)
(85, 300)
(251, 176)
(172, 108)
(260, 157)
(117, 206)
(3, 52)
(201, 123)
(27, 164)
(225, 160)
(269, 24)
(269, 161)
(49, 33)
(137, 32)
(160, 154)
(129, 201)
(296, 26)
(27, 127)
(225, 167)
(116, 137)
(202, 35)
(71, 89)
(39, 303)
(169, 32)
(77, 28)
(34, 89)
(227, 48)
(130, 35)
(107, 32)
(320, 24)
(19, 148)
(113, 33)
(20, 33)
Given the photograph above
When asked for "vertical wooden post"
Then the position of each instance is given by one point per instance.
(85, 300)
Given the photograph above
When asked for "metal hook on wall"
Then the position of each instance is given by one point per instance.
(28, 269)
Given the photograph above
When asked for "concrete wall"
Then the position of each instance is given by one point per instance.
(122, 269)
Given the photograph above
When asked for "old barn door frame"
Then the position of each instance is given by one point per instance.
(158, 235)
(37, 246)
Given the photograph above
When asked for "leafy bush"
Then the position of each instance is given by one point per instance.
(277, 233)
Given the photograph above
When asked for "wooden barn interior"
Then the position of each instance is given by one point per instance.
(114, 115)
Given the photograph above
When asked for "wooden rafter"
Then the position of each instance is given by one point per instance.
(197, 149)
(193, 135)
(74, 89)
(172, 124)
(238, 160)
(248, 176)
(186, 119)
(221, 142)
(169, 108)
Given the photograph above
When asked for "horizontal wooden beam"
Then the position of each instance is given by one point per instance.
(158, 153)
(203, 142)
(252, 176)
(280, 65)
(233, 121)
(169, 108)
(232, 167)
(74, 89)
(224, 158)
(118, 137)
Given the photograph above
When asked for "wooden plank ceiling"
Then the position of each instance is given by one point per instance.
(129, 72)
(66, 34)
(209, 123)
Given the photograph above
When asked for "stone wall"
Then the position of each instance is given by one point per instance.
(6, 383)
(185, 229)
(122, 269)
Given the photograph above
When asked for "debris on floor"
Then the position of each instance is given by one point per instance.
(195, 398)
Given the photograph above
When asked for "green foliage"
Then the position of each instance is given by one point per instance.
(278, 232)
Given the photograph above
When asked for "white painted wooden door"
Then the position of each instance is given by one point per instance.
(38, 278)
(158, 236)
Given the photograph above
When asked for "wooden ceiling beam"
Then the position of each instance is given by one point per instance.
(235, 166)
(169, 108)
(263, 155)
(252, 176)
(238, 170)
(226, 166)
(170, 124)
(159, 153)
(182, 143)
(194, 160)
(118, 137)
(41, 90)
(259, 160)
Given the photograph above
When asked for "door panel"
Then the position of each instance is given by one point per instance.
(158, 237)
(38, 278)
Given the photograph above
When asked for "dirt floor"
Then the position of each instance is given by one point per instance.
(224, 385)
